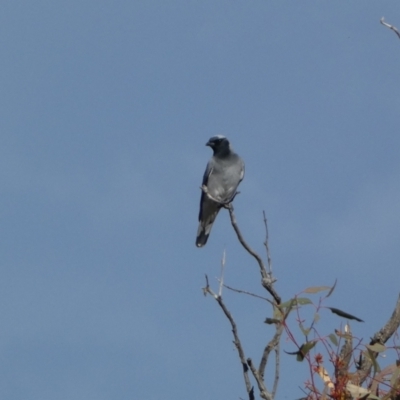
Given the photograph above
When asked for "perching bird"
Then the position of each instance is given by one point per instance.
(223, 174)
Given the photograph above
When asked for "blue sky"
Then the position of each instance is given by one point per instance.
(106, 108)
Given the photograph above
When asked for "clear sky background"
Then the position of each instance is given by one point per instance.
(105, 111)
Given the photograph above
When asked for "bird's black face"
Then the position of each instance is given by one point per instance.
(220, 145)
(217, 142)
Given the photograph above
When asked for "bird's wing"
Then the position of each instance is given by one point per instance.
(207, 173)
(208, 210)
(242, 171)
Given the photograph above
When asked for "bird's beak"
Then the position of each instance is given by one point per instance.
(208, 144)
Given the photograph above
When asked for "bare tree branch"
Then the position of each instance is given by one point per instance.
(277, 368)
(266, 278)
(264, 393)
(236, 341)
(390, 328)
(382, 336)
(393, 28)
(267, 245)
(267, 282)
(272, 345)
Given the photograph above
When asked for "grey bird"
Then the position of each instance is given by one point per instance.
(221, 179)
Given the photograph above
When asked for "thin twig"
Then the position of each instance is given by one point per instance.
(244, 244)
(267, 245)
(221, 281)
(236, 341)
(393, 28)
(266, 279)
(249, 294)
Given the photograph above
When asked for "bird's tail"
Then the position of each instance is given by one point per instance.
(205, 228)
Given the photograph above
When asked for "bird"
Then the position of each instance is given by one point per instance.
(222, 176)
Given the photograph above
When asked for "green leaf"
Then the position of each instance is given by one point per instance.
(332, 289)
(302, 352)
(316, 289)
(290, 304)
(344, 314)
(305, 331)
(271, 321)
(291, 353)
(377, 347)
(287, 303)
(333, 339)
(316, 317)
(303, 301)
(304, 349)
(278, 312)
